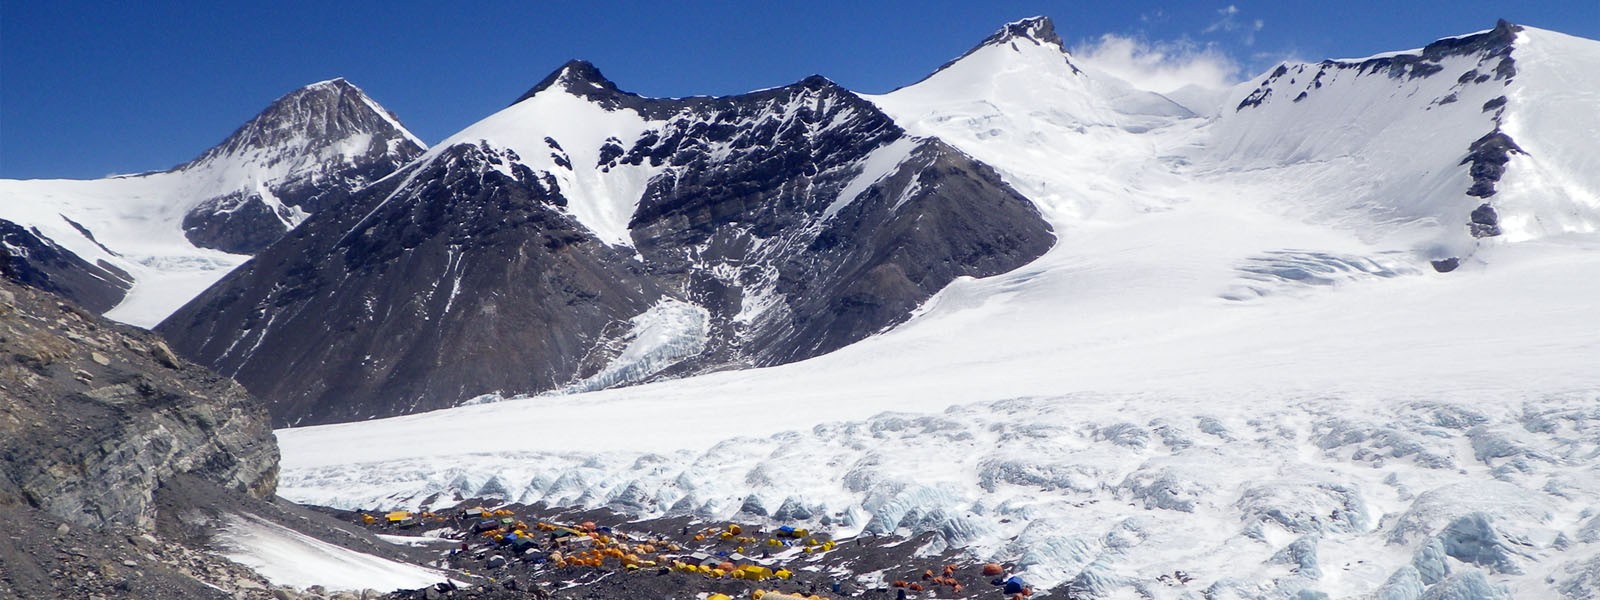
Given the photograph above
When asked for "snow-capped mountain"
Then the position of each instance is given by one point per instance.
(532, 251)
(156, 240)
(1428, 144)
(304, 153)
(1242, 358)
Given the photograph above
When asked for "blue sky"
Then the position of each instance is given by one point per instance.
(92, 88)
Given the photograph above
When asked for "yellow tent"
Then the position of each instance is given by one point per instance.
(397, 516)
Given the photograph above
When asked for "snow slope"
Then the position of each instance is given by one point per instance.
(290, 558)
(1237, 362)
(1553, 188)
(136, 222)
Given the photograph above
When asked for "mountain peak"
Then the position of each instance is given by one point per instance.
(578, 77)
(1034, 33)
(310, 117)
(1038, 29)
(1496, 40)
(817, 82)
(335, 85)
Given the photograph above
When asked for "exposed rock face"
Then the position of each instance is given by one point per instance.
(29, 257)
(789, 269)
(466, 280)
(1488, 157)
(94, 416)
(307, 152)
(470, 273)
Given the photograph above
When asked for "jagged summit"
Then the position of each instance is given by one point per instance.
(816, 82)
(1497, 41)
(1037, 34)
(309, 119)
(1038, 29)
(1500, 37)
(581, 78)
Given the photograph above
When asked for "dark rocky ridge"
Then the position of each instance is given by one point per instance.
(353, 315)
(301, 132)
(1493, 46)
(468, 280)
(33, 259)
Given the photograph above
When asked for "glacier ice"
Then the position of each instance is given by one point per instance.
(1270, 510)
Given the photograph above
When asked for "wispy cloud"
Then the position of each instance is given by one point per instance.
(1160, 66)
(1229, 21)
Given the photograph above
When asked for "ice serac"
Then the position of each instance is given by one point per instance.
(170, 234)
(522, 254)
(304, 153)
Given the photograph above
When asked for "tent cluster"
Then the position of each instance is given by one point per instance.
(932, 581)
(782, 537)
(588, 545)
(760, 594)
(402, 519)
(717, 568)
(777, 595)
(495, 540)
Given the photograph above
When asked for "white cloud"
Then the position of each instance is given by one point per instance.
(1159, 66)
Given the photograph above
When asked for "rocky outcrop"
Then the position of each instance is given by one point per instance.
(95, 416)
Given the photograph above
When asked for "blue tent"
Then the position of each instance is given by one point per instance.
(1015, 585)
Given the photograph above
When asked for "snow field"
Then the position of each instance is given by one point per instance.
(290, 558)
